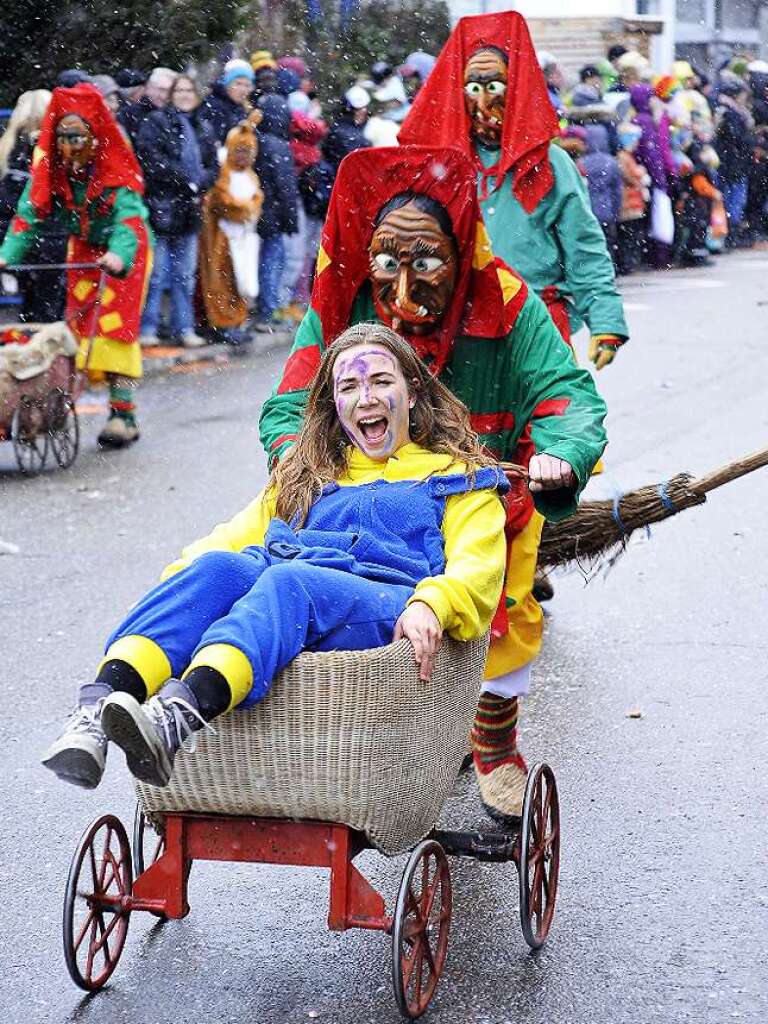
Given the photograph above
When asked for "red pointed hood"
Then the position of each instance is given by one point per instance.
(114, 164)
(488, 295)
(438, 116)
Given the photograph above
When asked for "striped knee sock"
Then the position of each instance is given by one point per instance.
(494, 733)
(121, 401)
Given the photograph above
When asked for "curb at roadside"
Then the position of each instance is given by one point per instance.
(169, 359)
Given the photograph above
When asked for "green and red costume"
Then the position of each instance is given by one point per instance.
(496, 347)
(103, 212)
(534, 201)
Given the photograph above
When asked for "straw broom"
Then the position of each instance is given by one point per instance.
(600, 529)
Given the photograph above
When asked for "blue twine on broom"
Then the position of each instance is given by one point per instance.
(666, 501)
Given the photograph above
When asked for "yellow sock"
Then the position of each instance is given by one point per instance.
(143, 655)
(232, 664)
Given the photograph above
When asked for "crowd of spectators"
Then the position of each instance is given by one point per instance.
(676, 168)
(676, 164)
(179, 135)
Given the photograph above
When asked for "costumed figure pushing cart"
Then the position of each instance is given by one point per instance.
(86, 177)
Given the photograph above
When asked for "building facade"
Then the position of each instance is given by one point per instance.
(578, 32)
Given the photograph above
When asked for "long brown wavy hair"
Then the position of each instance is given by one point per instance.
(439, 422)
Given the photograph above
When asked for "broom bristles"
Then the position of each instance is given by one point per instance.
(599, 527)
(599, 530)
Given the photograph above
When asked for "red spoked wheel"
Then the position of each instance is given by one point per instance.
(95, 922)
(420, 928)
(539, 855)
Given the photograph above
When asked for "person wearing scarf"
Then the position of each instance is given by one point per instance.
(487, 95)
(404, 244)
(86, 179)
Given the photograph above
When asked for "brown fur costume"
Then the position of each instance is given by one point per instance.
(224, 306)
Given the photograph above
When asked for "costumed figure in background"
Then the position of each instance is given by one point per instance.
(229, 243)
(86, 178)
(404, 243)
(487, 95)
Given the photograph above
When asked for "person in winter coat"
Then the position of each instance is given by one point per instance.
(635, 195)
(158, 89)
(280, 214)
(756, 213)
(604, 182)
(177, 150)
(734, 144)
(654, 152)
(43, 292)
(227, 103)
(347, 133)
(695, 194)
(307, 133)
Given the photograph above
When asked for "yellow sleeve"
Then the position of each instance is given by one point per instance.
(465, 596)
(246, 528)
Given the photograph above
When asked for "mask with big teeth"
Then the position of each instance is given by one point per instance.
(485, 95)
(413, 270)
(373, 399)
(75, 142)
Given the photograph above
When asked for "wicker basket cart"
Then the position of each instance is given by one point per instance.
(40, 383)
(348, 751)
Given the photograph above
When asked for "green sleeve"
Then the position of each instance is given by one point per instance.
(283, 412)
(560, 401)
(23, 230)
(123, 240)
(590, 279)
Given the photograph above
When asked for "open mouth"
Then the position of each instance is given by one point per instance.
(373, 428)
(487, 122)
(413, 316)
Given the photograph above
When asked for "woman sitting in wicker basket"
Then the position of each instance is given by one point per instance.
(384, 521)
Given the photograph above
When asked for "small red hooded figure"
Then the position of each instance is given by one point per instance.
(86, 178)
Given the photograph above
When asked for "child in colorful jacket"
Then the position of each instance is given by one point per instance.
(384, 521)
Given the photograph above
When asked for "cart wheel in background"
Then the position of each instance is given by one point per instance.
(29, 435)
(539, 856)
(420, 927)
(95, 926)
(63, 427)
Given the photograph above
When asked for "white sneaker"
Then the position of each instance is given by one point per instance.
(148, 340)
(193, 340)
(79, 755)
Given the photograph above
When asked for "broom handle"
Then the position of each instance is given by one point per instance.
(732, 471)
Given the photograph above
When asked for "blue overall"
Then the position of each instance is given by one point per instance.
(339, 583)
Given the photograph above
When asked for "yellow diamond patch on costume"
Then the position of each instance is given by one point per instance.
(323, 260)
(510, 285)
(110, 322)
(107, 296)
(37, 155)
(83, 289)
(483, 254)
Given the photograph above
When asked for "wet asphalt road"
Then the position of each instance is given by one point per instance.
(663, 910)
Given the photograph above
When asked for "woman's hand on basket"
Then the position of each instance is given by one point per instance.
(421, 626)
(548, 473)
(111, 262)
